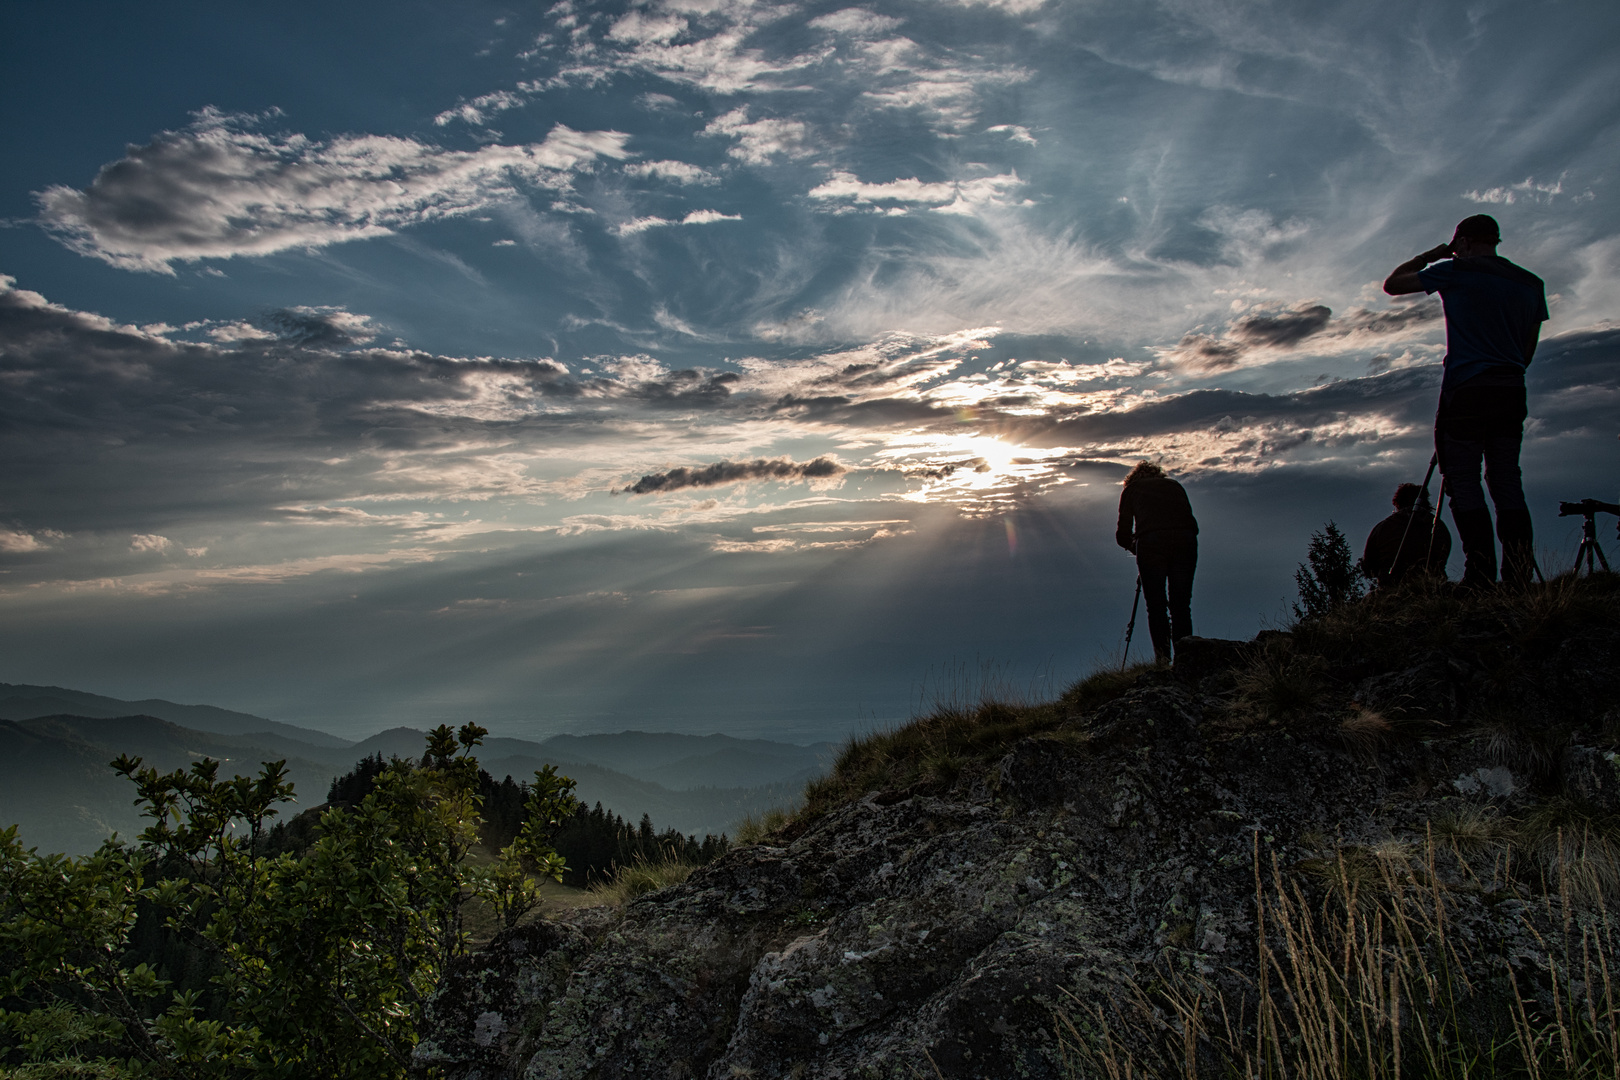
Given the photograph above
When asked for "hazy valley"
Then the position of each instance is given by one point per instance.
(55, 745)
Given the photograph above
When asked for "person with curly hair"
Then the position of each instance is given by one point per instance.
(1156, 524)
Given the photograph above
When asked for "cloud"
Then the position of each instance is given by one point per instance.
(1202, 352)
(695, 217)
(678, 171)
(758, 141)
(641, 26)
(1016, 133)
(256, 454)
(950, 196)
(222, 188)
(1362, 324)
(856, 22)
(18, 541)
(731, 472)
(1013, 7)
(322, 327)
(1281, 329)
(1527, 188)
(233, 333)
(1270, 328)
(474, 111)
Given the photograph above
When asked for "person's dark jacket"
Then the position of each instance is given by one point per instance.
(1153, 504)
(1385, 540)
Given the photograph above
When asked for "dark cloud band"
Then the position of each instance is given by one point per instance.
(730, 472)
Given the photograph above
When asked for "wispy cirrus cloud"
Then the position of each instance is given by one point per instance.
(221, 188)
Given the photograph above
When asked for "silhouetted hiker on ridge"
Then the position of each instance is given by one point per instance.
(1407, 531)
(1156, 523)
(1494, 311)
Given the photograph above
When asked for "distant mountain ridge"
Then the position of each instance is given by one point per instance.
(675, 761)
(21, 701)
(56, 784)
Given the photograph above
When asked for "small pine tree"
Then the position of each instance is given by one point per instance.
(1333, 579)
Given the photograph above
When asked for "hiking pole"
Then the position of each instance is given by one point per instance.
(1434, 459)
(1130, 627)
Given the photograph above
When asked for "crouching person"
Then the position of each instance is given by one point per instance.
(1408, 540)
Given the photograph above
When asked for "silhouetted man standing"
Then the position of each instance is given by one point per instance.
(1156, 523)
(1402, 541)
(1494, 311)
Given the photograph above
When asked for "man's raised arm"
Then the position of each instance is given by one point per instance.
(1404, 278)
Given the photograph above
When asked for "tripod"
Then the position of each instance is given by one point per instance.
(1589, 549)
(1130, 627)
(1589, 545)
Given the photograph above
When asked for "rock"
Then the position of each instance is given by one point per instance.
(1038, 772)
(1162, 715)
(939, 933)
(476, 1016)
(1197, 658)
(1592, 777)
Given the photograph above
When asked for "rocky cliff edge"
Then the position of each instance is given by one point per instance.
(956, 887)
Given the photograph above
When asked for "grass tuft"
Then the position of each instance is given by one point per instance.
(639, 878)
(1279, 684)
(1376, 981)
(756, 830)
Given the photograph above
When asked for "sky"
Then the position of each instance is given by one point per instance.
(766, 368)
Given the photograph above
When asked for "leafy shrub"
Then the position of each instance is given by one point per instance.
(323, 957)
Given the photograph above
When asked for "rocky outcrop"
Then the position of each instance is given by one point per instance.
(934, 930)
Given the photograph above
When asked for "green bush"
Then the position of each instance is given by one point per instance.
(324, 957)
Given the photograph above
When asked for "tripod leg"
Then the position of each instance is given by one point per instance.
(1130, 627)
(1601, 557)
(1434, 459)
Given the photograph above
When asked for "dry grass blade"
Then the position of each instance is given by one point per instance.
(1372, 982)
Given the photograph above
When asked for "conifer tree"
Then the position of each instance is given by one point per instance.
(1333, 578)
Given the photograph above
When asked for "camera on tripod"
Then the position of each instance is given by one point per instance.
(1589, 509)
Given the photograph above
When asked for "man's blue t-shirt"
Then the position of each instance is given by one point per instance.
(1492, 310)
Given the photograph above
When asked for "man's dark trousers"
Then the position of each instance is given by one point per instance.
(1485, 424)
(1167, 559)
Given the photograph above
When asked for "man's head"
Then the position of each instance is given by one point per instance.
(1476, 235)
(1408, 494)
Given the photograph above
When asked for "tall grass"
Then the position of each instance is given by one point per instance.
(1377, 977)
(756, 829)
(640, 877)
(959, 738)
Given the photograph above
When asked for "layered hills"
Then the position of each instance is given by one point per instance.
(56, 743)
